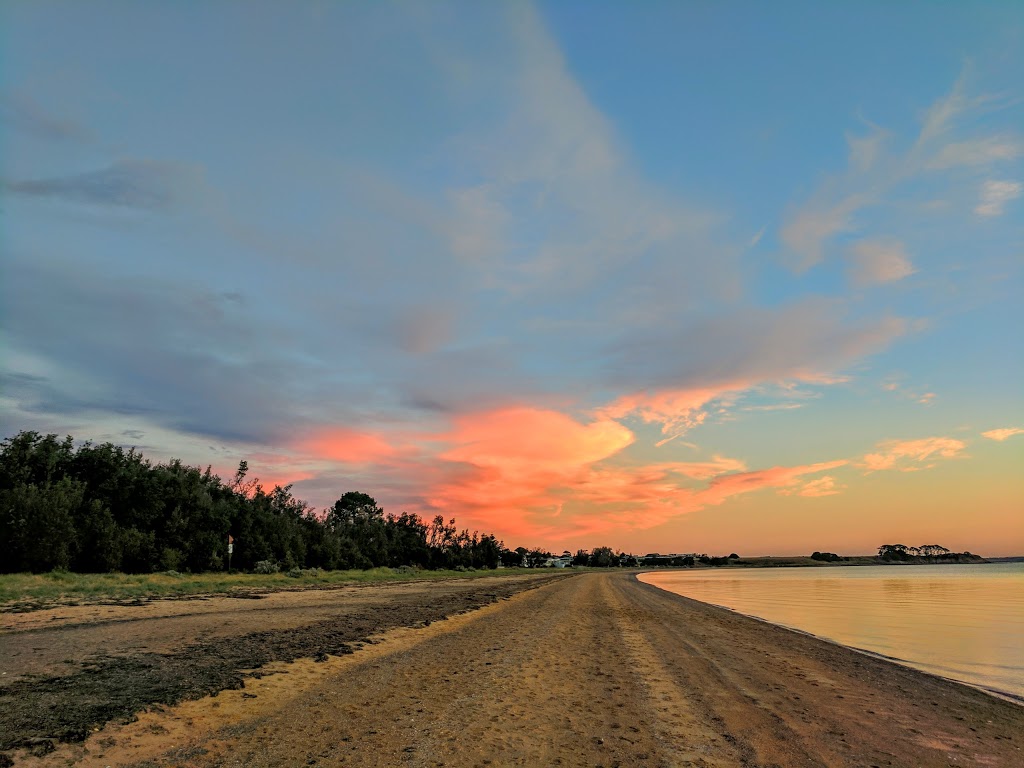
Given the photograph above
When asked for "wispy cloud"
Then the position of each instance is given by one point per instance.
(150, 184)
(723, 358)
(1002, 434)
(978, 152)
(879, 261)
(877, 174)
(25, 113)
(911, 455)
(823, 486)
(995, 195)
(815, 224)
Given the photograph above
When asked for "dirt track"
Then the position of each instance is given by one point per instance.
(590, 670)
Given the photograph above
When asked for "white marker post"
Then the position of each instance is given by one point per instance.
(231, 548)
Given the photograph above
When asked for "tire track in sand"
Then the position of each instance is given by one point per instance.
(689, 739)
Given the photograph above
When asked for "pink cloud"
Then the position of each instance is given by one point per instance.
(348, 446)
(1002, 434)
(902, 454)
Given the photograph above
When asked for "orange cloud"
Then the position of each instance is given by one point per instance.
(530, 473)
(727, 486)
(644, 497)
(533, 439)
(897, 454)
(513, 461)
(1002, 434)
(348, 446)
(703, 470)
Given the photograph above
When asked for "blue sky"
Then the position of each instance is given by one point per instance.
(654, 275)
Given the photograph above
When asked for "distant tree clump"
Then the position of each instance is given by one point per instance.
(926, 553)
(826, 557)
(98, 508)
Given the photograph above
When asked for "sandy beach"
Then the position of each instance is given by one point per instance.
(592, 669)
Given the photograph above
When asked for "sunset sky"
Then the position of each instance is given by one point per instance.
(661, 276)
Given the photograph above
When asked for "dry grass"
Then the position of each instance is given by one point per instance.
(31, 590)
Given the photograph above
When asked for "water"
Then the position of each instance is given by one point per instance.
(964, 622)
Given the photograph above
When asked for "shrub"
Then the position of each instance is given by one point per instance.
(266, 567)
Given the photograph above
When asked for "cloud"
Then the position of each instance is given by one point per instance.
(878, 261)
(701, 470)
(689, 371)
(348, 446)
(797, 341)
(146, 184)
(1002, 434)
(548, 204)
(995, 195)
(678, 411)
(880, 179)
(424, 329)
(505, 466)
(27, 114)
(940, 116)
(170, 351)
(976, 152)
(907, 455)
(823, 486)
(809, 228)
(727, 486)
(529, 439)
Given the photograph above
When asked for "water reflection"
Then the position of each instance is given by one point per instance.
(959, 621)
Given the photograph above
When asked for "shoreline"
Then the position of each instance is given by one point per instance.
(995, 692)
(1005, 695)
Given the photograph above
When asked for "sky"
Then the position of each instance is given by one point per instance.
(667, 277)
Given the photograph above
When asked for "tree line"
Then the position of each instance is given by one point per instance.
(100, 508)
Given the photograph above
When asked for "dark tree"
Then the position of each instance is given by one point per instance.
(104, 508)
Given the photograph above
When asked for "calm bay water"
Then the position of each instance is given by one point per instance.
(964, 622)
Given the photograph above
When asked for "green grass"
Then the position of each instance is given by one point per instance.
(31, 590)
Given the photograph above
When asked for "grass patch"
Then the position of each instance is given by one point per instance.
(20, 591)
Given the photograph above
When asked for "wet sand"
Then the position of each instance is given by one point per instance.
(582, 670)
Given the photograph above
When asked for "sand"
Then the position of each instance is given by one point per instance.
(589, 670)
